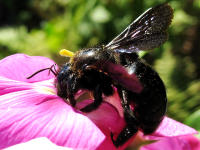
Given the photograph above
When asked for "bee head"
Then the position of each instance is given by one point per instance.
(65, 81)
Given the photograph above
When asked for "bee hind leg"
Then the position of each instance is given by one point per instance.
(131, 127)
(128, 132)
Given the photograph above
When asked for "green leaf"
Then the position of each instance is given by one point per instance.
(194, 120)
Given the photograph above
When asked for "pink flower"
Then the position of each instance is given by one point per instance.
(37, 144)
(30, 108)
(187, 142)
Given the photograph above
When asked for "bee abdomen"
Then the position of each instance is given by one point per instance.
(151, 103)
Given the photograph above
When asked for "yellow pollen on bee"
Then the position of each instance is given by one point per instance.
(66, 53)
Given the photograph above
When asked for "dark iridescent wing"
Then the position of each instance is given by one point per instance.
(148, 31)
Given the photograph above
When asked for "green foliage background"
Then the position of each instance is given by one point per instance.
(44, 27)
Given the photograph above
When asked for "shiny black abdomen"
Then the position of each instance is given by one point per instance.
(149, 105)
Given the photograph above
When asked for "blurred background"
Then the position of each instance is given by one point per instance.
(36, 27)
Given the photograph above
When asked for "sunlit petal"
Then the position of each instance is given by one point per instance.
(19, 67)
(171, 128)
(39, 143)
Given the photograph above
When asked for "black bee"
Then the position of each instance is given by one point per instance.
(117, 64)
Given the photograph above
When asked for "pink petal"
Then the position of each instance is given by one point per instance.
(53, 119)
(39, 143)
(30, 113)
(171, 128)
(105, 116)
(176, 143)
(19, 67)
(193, 142)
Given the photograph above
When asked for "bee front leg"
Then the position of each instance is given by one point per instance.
(97, 93)
(71, 99)
(71, 90)
(131, 122)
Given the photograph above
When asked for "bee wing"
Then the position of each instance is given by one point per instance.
(148, 31)
(120, 75)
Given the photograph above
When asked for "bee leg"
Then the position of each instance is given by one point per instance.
(72, 101)
(71, 90)
(97, 93)
(131, 122)
(130, 130)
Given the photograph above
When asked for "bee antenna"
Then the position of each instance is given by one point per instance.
(51, 69)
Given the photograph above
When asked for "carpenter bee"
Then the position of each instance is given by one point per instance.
(117, 64)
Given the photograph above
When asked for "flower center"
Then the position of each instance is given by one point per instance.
(47, 90)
